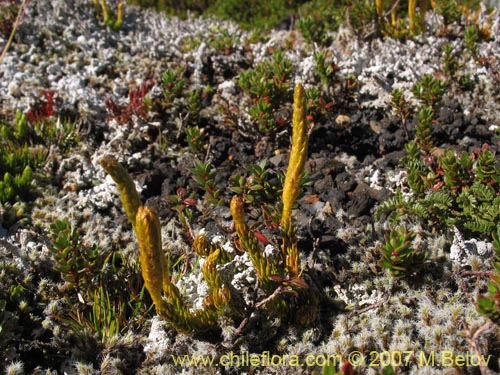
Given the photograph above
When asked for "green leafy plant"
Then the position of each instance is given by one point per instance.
(41, 125)
(452, 68)
(313, 31)
(429, 90)
(472, 37)
(268, 86)
(326, 70)
(262, 113)
(268, 79)
(316, 19)
(21, 152)
(204, 175)
(223, 41)
(450, 61)
(195, 139)
(77, 263)
(105, 296)
(13, 188)
(449, 10)
(182, 204)
(320, 107)
(282, 279)
(101, 319)
(360, 17)
(194, 105)
(398, 254)
(424, 131)
(173, 84)
(24, 148)
(190, 43)
(449, 190)
(65, 134)
(260, 190)
(401, 108)
(255, 14)
(179, 100)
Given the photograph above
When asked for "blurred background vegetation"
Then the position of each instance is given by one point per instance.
(268, 14)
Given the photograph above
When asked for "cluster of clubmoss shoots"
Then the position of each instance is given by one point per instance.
(18, 158)
(169, 303)
(392, 26)
(282, 279)
(102, 10)
(167, 298)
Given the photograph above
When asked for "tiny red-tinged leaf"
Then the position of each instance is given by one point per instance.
(43, 109)
(438, 185)
(237, 245)
(189, 201)
(260, 237)
(276, 278)
(313, 198)
(329, 105)
(300, 283)
(181, 192)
